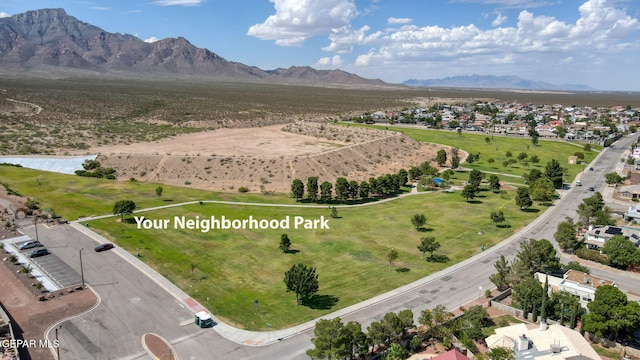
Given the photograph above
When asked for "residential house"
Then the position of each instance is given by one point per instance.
(533, 342)
(595, 238)
(576, 283)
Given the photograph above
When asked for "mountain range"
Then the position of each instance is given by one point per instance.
(495, 82)
(51, 42)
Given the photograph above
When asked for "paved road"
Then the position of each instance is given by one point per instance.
(131, 305)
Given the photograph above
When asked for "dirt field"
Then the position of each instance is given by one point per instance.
(267, 158)
(268, 141)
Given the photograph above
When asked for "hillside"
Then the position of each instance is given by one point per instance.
(49, 42)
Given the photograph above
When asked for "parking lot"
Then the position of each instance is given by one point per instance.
(51, 266)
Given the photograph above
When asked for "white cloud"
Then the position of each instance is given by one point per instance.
(4, 14)
(393, 20)
(100, 8)
(178, 2)
(343, 39)
(151, 39)
(499, 20)
(536, 40)
(296, 20)
(334, 61)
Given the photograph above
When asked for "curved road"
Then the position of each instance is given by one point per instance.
(132, 305)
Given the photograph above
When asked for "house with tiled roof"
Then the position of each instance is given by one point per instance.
(575, 282)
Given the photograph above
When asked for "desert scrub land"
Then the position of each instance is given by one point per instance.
(51, 116)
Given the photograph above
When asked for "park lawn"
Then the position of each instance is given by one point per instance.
(497, 148)
(232, 268)
(74, 196)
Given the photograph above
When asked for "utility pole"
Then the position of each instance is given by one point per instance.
(35, 224)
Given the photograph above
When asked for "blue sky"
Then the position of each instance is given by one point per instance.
(592, 42)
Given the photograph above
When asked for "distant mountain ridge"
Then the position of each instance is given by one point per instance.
(49, 41)
(496, 82)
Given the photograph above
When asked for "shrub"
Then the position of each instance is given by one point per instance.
(593, 255)
(243, 189)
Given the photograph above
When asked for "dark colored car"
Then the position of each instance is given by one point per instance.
(592, 189)
(104, 247)
(28, 245)
(38, 252)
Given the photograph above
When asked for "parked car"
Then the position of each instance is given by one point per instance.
(104, 247)
(42, 251)
(592, 189)
(28, 245)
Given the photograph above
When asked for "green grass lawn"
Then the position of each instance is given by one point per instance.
(497, 148)
(73, 196)
(234, 268)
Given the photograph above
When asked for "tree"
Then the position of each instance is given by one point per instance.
(326, 339)
(611, 314)
(418, 220)
(538, 256)
(529, 294)
(523, 200)
(501, 278)
(285, 243)
(494, 183)
(428, 245)
(574, 265)
(159, 191)
(534, 159)
(312, 188)
(497, 217)
(566, 235)
(91, 164)
(621, 252)
(434, 320)
(354, 188)
(468, 192)
(326, 191)
(123, 207)
(403, 177)
(364, 190)
(441, 157)
(534, 136)
(590, 206)
(455, 158)
(532, 176)
(392, 256)
(342, 189)
(297, 189)
(353, 342)
(613, 178)
(475, 178)
(396, 352)
(545, 296)
(542, 190)
(522, 156)
(554, 172)
(302, 280)
(472, 321)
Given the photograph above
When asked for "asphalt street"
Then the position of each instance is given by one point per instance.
(132, 305)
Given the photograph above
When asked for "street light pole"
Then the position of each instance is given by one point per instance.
(81, 269)
(57, 345)
(35, 224)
